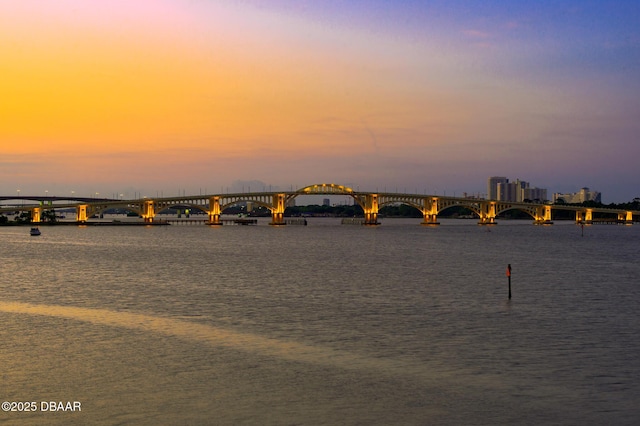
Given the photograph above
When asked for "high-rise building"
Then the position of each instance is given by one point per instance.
(492, 186)
(507, 191)
(534, 194)
(517, 191)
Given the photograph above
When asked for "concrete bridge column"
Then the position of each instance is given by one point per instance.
(543, 215)
(626, 217)
(588, 216)
(36, 215)
(371, 210)
(148, 211)
(430, 212)
(579, 216)
(214, 211)
(488, 213)
(277, 214)
(81, 213)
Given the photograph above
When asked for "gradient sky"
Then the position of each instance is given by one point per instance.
(164, 96)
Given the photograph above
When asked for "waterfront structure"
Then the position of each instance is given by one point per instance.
(578, 197)
(213, 205)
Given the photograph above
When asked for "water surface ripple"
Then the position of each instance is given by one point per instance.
(323, 324)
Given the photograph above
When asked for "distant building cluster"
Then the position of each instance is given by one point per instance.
(499, 188)
(578, 197)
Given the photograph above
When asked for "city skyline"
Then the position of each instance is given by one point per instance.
(166, 96)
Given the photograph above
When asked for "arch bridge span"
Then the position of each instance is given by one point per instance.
(276, 202)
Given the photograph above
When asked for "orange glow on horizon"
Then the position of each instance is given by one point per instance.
(113, 92)
(77, 91)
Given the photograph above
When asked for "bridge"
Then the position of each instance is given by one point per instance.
(276, 202)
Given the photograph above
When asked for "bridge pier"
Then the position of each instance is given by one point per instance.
(543, 215)
(214, 211)
(487, 221)
(371, 210)
(371, 219)
(430, 212)
(584, 217)
(36, 215)
(430, 219)
(81, 213)
(588, 216)
(277, 214)
(148, 211)
(488, 213)
(626, 218)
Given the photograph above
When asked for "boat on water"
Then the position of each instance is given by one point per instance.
(34, 232)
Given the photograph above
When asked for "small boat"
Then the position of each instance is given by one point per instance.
(34, 232)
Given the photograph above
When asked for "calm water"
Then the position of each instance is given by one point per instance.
(324, 324)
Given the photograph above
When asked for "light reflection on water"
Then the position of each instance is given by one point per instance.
(324, 324)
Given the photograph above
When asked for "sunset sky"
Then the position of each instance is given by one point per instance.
(165, 96)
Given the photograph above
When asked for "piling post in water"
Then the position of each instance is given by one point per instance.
(509, 278)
